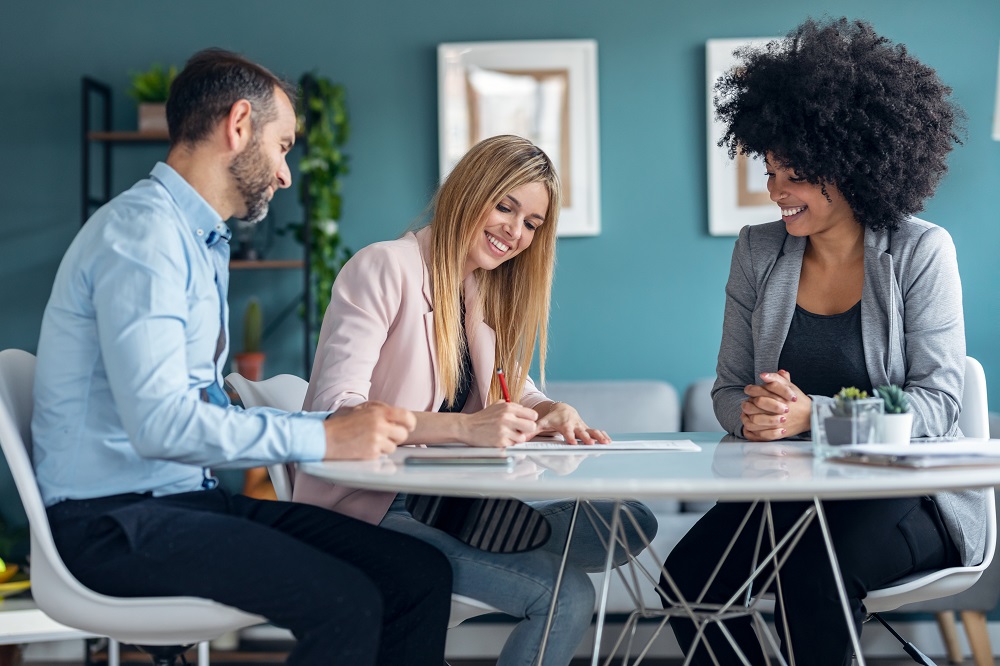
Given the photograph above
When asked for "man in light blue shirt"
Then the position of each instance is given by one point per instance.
(130, 413)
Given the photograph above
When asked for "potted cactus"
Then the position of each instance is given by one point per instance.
(250, 361)
(897, 419)
(853, 418)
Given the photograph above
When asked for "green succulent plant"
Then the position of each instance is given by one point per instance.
(152, 85)
(841, 401)
(894, 399)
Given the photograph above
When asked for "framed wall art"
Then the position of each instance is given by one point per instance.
(545, 91)
(737, 188)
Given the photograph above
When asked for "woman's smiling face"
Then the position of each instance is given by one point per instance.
(508, 229)
(805, 208)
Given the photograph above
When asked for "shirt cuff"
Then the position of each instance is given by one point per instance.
(309, 437)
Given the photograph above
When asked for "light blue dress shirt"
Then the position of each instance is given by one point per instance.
(128, 387)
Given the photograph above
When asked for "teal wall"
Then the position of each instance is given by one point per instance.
(642, 300)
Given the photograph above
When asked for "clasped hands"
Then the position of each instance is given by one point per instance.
(775, 409)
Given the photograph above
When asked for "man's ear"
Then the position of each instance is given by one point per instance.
(239, 129)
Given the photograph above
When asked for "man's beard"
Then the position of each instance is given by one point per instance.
(253, 177)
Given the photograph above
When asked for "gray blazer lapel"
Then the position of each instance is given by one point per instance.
(779, 289)
(878, 307)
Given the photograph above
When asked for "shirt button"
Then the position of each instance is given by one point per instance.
(200, 232)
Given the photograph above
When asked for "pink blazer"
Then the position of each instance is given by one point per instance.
(377, 343)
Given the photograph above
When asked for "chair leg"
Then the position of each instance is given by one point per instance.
(203, 653)
(979, 639)
(949, 632)
(114, 652)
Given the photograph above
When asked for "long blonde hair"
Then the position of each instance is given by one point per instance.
(514, 297)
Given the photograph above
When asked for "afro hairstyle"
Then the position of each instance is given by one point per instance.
(839, 104)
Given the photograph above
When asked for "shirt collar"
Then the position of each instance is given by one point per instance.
(204, 222)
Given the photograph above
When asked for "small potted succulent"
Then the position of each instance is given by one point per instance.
(151, 89)
(250, 361)
(897, 419)
(853, 418)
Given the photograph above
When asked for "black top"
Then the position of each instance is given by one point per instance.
(824, 353)
(464, 373)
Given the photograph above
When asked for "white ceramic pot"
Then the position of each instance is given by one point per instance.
(896, 428)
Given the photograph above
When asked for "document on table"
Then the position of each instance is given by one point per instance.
(552, 445)
(921, 456)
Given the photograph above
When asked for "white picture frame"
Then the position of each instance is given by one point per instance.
(737, 188)
(545, 91)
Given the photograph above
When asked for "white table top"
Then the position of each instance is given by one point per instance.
(726, 468)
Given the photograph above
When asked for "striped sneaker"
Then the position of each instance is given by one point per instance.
(493, 525)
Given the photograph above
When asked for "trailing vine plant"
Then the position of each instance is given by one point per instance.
(323, 120)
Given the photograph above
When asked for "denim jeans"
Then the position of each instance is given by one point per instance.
(521, 584)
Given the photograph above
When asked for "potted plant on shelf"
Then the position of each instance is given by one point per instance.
(250, 361)
(854, 417)
(150, 88)
(897, 419)
(322, 118)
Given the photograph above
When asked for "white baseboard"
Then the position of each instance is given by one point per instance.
(484, 640)
(480, 640)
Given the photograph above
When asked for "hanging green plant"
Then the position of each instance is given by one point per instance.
(323, 120)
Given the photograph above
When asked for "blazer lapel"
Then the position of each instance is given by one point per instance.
(779, 289)
(424, 243)
(878, 309)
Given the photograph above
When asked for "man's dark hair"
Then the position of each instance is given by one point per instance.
(210, 83)
(839, 104)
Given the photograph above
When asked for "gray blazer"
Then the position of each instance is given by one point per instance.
(912, 326)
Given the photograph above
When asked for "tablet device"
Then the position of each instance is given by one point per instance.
(458, 460)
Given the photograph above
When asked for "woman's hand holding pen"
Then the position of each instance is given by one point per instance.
(775, 409)
(565, 420)
(500, 424)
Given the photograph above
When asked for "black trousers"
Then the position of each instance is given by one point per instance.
(350, 592)
(876, 542)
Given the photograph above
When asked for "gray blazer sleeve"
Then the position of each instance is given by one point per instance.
(933, 332)
(736, 352)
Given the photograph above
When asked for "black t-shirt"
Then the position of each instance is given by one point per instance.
(464, 373)
(824, 353)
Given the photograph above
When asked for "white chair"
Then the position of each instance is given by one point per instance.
(974, 422)
(288, 392)
(929, 585)
(166, 623)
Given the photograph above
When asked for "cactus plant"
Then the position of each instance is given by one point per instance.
(841, 401)
(894, 399)
(253, 325)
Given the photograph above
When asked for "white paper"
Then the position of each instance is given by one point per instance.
(624, 445)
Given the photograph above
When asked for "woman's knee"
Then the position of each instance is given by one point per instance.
(577, 595)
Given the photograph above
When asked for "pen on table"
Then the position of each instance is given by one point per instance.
(503, 385)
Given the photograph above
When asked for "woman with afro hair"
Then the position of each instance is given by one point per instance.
(847, 289)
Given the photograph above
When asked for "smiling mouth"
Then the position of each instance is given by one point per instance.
(789, 212)
(496, 242)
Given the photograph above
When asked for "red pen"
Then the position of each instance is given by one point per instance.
(503, 385)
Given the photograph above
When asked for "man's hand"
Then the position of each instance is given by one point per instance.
(366, 431)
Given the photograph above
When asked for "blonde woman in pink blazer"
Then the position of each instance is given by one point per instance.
(423, 322)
